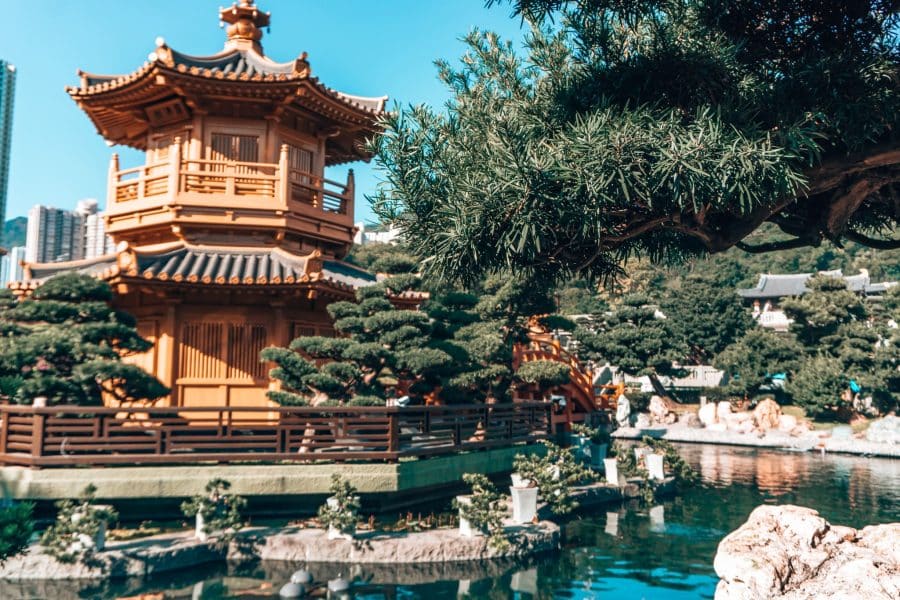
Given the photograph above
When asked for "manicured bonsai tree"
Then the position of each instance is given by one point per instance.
(78, 528)
(340, 512)
(218, 510)
(16, 527)
(554, 474)
(545, 374)
(66, 343)
(382, 345)
(485, 509)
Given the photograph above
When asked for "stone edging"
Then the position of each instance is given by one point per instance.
(772, 440)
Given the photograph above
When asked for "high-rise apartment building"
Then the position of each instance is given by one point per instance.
(7, 97)
(11, 265)
(56, 235)
(96, 242)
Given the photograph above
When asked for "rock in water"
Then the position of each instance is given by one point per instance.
(791, 553)
(886, 430)
(291, 590)
(766, 415)
(707, 414)
(302, 576)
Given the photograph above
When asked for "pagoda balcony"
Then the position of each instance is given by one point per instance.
(224, 193)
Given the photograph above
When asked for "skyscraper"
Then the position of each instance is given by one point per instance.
(54, 234)
(11, 265)
(7, 97)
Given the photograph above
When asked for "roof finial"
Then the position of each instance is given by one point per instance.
(245, 23)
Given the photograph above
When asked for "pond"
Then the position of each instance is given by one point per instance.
(625, 551)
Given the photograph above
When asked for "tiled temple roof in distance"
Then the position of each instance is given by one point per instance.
(782, 286)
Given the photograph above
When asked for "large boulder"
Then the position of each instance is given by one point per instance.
(659, 410)
(787, 423)
(689, 419)
(723, 408)
(766, 415)
(741, 422)
(642, 421)
(885, 431)
(790, 552)
(707, 414)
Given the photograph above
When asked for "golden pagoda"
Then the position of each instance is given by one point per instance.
(230, 238)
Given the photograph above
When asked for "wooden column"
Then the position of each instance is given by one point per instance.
(349, 193)
(284, 188)
(167, 351)
(175, 168)
(112, 180)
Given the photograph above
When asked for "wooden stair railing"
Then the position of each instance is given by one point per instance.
(580, 388)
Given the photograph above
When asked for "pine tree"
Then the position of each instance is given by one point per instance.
(755, 359)
(66, 343)
(634, 338)
(819, 314)
(458, 346)
(658, 128)
(706, 316)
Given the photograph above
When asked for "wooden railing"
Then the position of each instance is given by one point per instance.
(230, 179)
(71, 435)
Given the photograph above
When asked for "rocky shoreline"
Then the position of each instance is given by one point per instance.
(791, 553)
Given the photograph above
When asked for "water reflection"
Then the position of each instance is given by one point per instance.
(628, 551)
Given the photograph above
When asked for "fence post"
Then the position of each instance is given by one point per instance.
(393, 433)
(4, 433)
(37, 434)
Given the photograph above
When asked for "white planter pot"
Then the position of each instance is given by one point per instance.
(598, 455)
(518, 481)
(336, 534)
(639, 453)
(199, 528)
(524, 504)
(465, 528)
(655, 466)
(612, 470)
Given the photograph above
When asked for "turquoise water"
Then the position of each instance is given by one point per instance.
(628, 551)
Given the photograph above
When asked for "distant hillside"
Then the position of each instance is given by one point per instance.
(14, 232)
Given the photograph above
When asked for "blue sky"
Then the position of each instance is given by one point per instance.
(363, 47)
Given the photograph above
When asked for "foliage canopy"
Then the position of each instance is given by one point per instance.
(660, 128)
(66, 343)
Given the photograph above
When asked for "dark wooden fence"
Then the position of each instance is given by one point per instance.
(72, 435)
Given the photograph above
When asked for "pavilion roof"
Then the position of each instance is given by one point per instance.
(211, 265)
(172, 84)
